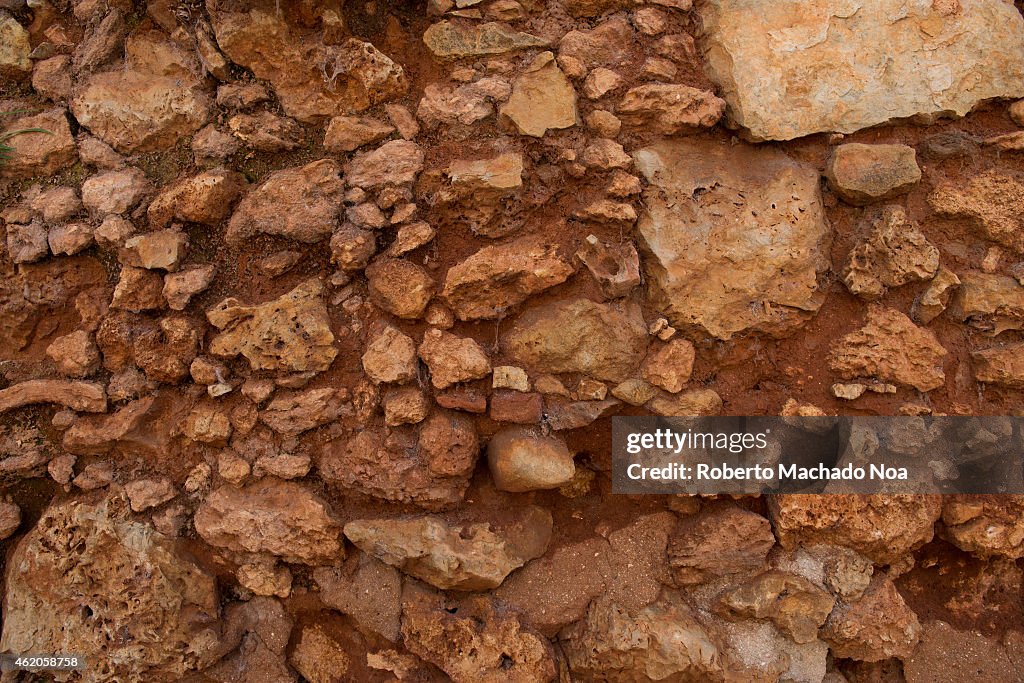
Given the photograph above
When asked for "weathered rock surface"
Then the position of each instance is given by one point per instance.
(986, 526)
(400, 287)
(282, 518)
(1002, 366)
(497, 278)
(134, 623)
(452, 359)
(791, 602)
(720, 542)
(299, 412)
(990, 201)
(367, 590)
(428, 465)
(140, 112)
(15, 48)
(542, 99)
(206, 198)
(603, 341)
(882, 527)
(291, 332)
(455, 40)
(718, 275)
(792, 69)
(81, 396)
(669, 366)
(466, 104)
(39, 153)
(862, 174)
(298, 203)
(890, 348)
(947, 655)
(522, 460)
(349, 133)
(390, 357)
(394, 163)
(313, 79)
(663, 641)
(989, 302)
(878, 626)
(893, 253)
(615, 267)
(669, 109)
(469, 556)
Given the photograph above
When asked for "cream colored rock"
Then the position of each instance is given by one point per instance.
(670, 109)
(281, 518)
(291, 332)
(14, 48)
(789, 69)
(1002, 366)
(510, 377)
(992, 202)
(988, 302)
(452, 359)
(884, 528)
(473, 556)
(892, 254)
(522, 460)
(934, 300)
(140, 112)
(497, 278)
(604, 341)
(890, 348)
(720, 277)
(542, 99)
(451, 40)
(390, 357)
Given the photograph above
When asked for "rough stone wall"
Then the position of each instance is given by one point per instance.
(313, 316)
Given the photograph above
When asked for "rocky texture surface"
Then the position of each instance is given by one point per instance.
(314, 317)
(931, 63)
(716, 277)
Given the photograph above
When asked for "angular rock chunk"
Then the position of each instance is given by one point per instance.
(454, 40)
(400, 287)
(1002, 366)
(542, 99)
(472, 556)
(15, 48)
(989, 302)
(720, 542)
(302, 204)
(39, 153)
(390, 357)
(753, 243)
(878, 626)
(670, 109)
(987, 526)
(605, 45)
(791, 602)
(282, 518)
(97, 602)
(75, 354)
(663, 641)
(313, 79)
(452, 359)
(180, 287)
(394, 163)
(862, 174)
(465, 104)
(934, 300)
(429, 465)
(883, 527)
(890, 348)
(992, 201)
(299, 412)
(616, 268)
(140, 112)
(669, 367)
(522, 460)
(367, 590)
(291, 332)
(603, 341)
(497, 278)
(349, 133)
(159, 250)
(80, 396)
(206, 198)
(893, 254)
(790, 69)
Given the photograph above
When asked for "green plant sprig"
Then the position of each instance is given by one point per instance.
(6, 150)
